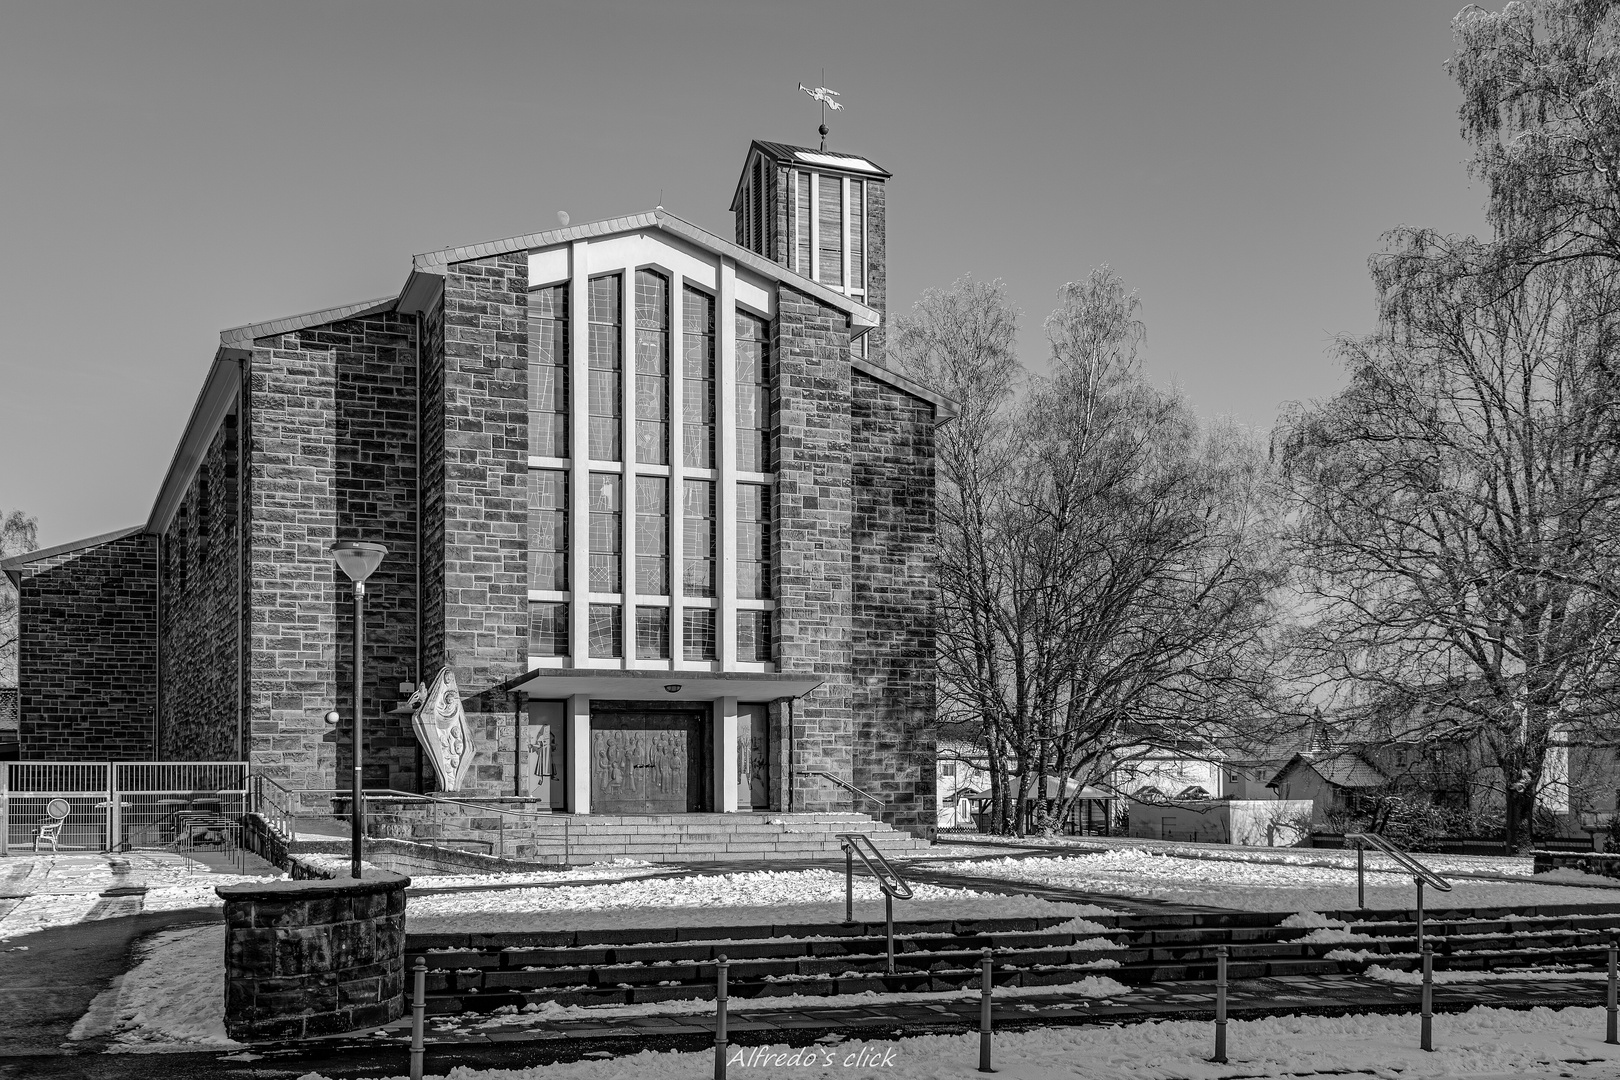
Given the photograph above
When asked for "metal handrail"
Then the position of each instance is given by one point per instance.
(1421, 875)
(841, 782)
(888, 879)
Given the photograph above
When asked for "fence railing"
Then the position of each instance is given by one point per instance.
(845, 784)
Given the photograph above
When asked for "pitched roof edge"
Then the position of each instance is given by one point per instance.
(214, 401)
(14, 565)
(944, 406)
(774, 151)
(433, 262)
(246, 335)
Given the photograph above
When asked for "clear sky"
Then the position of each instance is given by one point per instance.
(172, 169)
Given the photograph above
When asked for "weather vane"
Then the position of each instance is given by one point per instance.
(828, 99)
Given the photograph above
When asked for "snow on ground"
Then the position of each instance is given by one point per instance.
(1482, 1043)
(613, 870)
(742, 899)
(1254, 886)
(172, 999)
(1559, 973)
(64, 890)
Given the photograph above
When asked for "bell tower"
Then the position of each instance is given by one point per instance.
(820, 214)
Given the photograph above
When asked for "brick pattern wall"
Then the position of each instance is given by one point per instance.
(892, 469)
(314, 957)
(485, 421)
(333, 452)
(811, 522)
(87, 657)
(200, 611)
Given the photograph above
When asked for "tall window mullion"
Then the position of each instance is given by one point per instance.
(652, 368)
(857, 235)
(697, 379)
(548, 371)
(606, 367)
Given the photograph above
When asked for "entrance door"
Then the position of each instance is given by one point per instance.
(646, 762)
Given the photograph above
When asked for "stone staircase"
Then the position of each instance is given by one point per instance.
(748, 837)
(481, 973)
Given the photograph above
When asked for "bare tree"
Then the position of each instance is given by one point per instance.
(1105, 569)
(18, 534)
(1456, 506)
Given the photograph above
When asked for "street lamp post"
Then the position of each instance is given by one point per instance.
(357, 560)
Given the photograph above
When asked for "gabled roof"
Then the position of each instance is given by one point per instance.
(1339, 768)
(14, 566)
(434, 262)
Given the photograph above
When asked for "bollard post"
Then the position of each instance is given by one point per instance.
(849, 884)
(1420, 913)
(1361, 876)
(888, 918)
(1220, 1004)
(1426, 1039)
(1613, 1036)
(984, 1013)
(418, 1008)
(720, 965)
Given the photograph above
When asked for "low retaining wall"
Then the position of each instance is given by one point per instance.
(1586, 862)
(314, 957)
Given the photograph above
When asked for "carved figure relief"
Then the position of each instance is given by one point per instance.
(441, 728)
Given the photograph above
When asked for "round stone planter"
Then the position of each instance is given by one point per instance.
(314, 957)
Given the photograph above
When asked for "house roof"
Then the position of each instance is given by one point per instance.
(1339, 768)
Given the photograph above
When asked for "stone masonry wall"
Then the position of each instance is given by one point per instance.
(893, 609)
(431, 424)
(314, 957)
(200, 613)
(333, 457)
(811, 528)
(485, 498)
(87, 655)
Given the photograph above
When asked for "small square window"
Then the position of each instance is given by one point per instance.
(548, 629)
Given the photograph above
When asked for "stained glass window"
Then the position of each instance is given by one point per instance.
(652, 368)
(606, 368)
(652, 633)
(753, 542)
(754, 637)
(607, 535)
(548, 628)
(753, 393)
(548, 371)
(652, 536)
(697, 379)
(607, 630)
(697, 537)
(548, 529)
(698, 634)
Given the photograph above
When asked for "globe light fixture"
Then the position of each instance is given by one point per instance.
(358, 561)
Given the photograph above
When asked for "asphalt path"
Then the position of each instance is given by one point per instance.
(48, 982)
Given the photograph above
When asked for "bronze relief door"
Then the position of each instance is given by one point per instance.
(646, 762)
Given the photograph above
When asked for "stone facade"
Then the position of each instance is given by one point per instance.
(88, 652)
(811, 528)
(332, 448)
(893, 601)
(314, 957)
(200, 612)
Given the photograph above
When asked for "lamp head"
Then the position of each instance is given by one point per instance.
(357, 559)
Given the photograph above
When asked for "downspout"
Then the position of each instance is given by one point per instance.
(157, 633)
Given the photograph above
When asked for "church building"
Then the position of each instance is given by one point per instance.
(655, 497)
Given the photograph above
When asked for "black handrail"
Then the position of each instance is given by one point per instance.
(888, 879)
(1421, 875)
(841, 782)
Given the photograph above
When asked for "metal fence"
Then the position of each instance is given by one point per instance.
(32, 786)
(187, 806)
